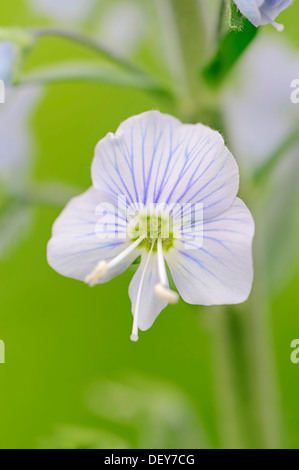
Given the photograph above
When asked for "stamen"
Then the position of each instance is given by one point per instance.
(278, 26)
(162, 290)
(134, 335)
(97, 274)
(167, 294)
(102, 267)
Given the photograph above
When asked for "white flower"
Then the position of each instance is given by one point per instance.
(261, 12)
(153, 159)
(15, 138)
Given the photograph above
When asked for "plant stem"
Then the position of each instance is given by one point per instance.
(262, 362)
(172, 46)
(231, 429)
(90, 43)
(192, 36)
(263, 173)
(220, 21)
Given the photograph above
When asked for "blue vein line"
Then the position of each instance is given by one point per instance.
(155, 148)
(184, 170)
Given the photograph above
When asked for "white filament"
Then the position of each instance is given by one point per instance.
(162, 290)
(134, 335)
(102, 267)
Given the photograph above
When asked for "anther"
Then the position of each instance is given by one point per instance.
(97, 274)
(167, 294)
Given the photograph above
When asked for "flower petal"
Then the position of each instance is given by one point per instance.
(250, 9)
(81, 238)
(270, 9)
(220, 272)
(155, 158)
(150, 304)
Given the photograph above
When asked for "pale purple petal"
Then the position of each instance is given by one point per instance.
(155, 158)
(261, 12)
(84, 234)
(221, 271)
(250, 9)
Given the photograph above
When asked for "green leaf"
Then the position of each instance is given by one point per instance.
(235, 17)
(231, 47)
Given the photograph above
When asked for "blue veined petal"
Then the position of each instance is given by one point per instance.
(123, 26)
(270, 9)
(128, 161)
(86, 233)
(155, 158)
(261, 12)
(150, 304)
(221, 271)
(250, 9)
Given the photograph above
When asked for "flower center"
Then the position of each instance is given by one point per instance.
(151, 228)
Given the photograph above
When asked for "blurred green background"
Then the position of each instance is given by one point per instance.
(72, 378)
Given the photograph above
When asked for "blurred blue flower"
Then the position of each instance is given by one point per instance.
(261, 12)
(64, 11)
(15, 165)
(15, 138)
(7, 58)
(155, 160)
(260, 118)
(123, 24)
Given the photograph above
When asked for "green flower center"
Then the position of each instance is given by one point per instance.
(152, 227)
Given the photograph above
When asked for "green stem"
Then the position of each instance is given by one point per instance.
(172, 47)
(45, 194)
(90, 43)
(221, 15)
(227, 382)
(263, 173)
(185, 43)
(92, 72)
